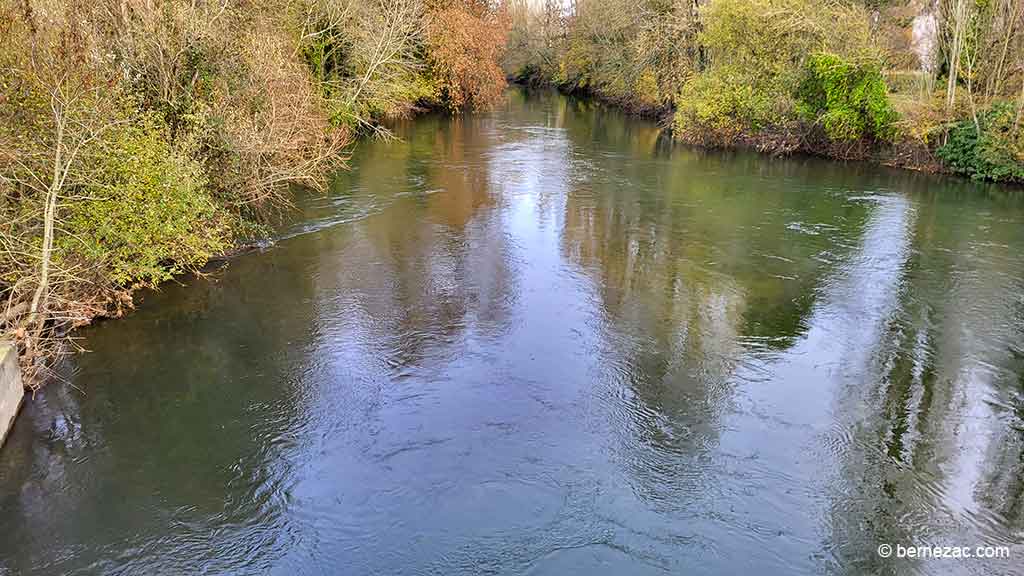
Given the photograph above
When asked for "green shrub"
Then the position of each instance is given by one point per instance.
(724, 102)
(145, 213)
(848, 100)
(757, 53)
(992, 150)
(772, 38)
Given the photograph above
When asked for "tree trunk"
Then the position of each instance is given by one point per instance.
(959, 24)
(49, 214)
(1020, 107)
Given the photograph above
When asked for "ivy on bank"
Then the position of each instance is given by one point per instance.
(991, 149)
(848, 100)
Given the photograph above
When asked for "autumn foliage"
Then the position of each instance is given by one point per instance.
(466, 40)
(138, 139)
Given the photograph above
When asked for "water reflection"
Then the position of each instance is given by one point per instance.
(545, 340)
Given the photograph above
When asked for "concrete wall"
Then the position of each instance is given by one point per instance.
(11, 389)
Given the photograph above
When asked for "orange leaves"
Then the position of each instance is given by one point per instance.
(465, 42)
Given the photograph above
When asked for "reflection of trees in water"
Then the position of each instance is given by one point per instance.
(1002, 482)
(694, 262)
(437, 263)
(698, 269)
(933, 457)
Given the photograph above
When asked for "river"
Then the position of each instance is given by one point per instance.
(546, 340)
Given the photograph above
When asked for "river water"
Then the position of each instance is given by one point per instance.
(544, 340)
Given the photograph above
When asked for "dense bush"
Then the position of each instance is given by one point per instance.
(534, 45)
(145, 213)
(762, 71)
(637, 53)
(723, 103)
(367, 58)
(465, 43)
(848, 100)
(992, 149)
(139, 138)
(597, 56)
(755, 56)
(772, 38)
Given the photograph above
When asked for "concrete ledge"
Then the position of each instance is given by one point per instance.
(11, 389)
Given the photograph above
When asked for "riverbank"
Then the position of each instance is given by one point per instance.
(140, 140)
(869, 81)
(905, 155)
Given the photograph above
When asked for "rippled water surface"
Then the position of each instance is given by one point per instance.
(545, 341)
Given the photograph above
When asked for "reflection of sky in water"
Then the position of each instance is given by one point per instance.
(544, 341)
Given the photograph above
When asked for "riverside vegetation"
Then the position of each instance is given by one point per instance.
(138, 139)
(930, 84)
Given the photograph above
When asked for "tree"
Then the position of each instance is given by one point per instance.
(56, 104)
(465, 43)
